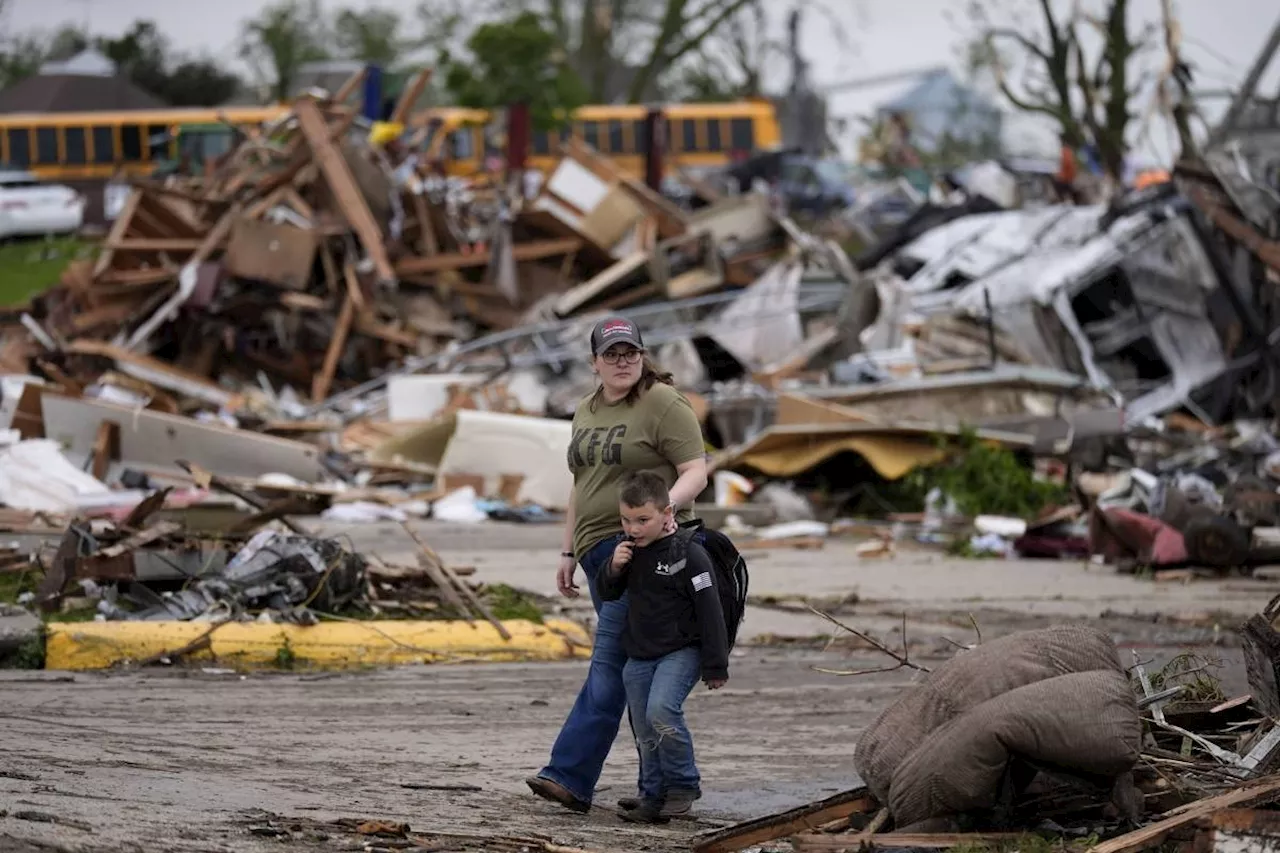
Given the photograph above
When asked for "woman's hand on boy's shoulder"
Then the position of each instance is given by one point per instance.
(716, 683)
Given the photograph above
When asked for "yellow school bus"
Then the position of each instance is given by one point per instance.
(97, 145)
(698, 135)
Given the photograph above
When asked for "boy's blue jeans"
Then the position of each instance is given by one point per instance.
(592, 725)
(656, 690)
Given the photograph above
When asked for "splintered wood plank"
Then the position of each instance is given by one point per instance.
(350, 86)
(338, 175)
(856, 842)
(783, 824)
(119, 228)
(410, 96)
(1255, 793)
(354, 292)
(434, 568)
(324, 379)
(530, 251)
(106, 447)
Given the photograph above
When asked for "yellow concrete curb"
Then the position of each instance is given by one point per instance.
(329, 645)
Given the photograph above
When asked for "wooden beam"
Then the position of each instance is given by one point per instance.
(855, 843)
(338, 175)
(347, 89)
(410, 96)
(1263, 790)
(155, 244)
(354, 291)
(118, 229)
(783, 824)
(530, 251)
(324, 379)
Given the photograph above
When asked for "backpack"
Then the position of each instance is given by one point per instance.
(732, 576)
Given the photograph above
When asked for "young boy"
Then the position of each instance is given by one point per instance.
(675, 636)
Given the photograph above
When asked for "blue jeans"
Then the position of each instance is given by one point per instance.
(656, 690)
(592, 726)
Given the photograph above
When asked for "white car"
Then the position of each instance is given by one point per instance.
(31, 208)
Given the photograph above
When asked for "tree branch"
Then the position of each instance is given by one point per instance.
(903, 659)
(1014, 35)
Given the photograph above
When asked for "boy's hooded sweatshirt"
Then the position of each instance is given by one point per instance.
(673, 605)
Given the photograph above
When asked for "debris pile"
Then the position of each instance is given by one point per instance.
(160, 563)
(1044, 737)
(320, 317)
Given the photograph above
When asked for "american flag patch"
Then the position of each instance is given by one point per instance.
(702, 581)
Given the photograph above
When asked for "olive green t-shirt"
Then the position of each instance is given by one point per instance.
(657, 433)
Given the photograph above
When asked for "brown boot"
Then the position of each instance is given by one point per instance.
(556, 793)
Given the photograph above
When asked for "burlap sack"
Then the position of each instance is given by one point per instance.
(970, 679)
(1084, 723)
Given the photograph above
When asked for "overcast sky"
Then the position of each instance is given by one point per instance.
(1223, 38)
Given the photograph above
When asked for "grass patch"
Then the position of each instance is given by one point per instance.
(30, 267)
(508, 603)
(29, 655)
(13, 584)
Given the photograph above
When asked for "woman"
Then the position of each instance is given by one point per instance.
(635, 421)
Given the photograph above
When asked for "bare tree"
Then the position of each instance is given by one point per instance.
(1042, 67)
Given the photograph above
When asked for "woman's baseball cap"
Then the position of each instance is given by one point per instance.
(614, 330)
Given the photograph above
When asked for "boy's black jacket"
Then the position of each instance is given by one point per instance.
(671, 606)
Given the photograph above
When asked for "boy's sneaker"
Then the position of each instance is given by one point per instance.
(679, 803)
(648, 811)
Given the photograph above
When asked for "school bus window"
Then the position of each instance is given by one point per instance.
(19, 147)
(591, 134)
(104, 145)
(131, 143)
(616, 143)
(77, 153)
(688, 135)
(159, 142)
(639, 137)
(46, 145)
(461, 145)
(741, 134)
(541, 142)
(713, 135)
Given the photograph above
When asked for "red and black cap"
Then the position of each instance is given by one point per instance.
(614, 330)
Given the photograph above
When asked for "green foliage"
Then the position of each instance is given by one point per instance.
(284, 36)
(370, 35)
(508, 603)
(286, 658)
(29, 655)
(982, 479)
(1194, 672)
(516, 61)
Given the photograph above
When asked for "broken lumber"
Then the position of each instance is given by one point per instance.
(338, 174)
(791, 822)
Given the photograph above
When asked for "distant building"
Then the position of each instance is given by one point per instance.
(939, 110)
(87, 82)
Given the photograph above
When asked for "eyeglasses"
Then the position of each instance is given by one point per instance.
(630, 356)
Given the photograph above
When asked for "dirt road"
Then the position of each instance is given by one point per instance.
(173, 761)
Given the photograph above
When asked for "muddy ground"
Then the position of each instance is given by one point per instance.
(176, 761)
(199, 760)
